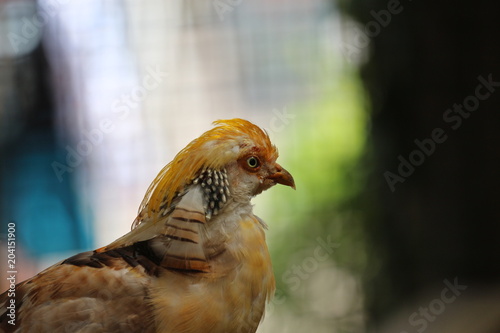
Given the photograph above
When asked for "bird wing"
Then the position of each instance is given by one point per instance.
(176, 239)
(106, 290)
(89, 292)
(182, 244)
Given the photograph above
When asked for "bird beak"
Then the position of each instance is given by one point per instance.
(283, 177)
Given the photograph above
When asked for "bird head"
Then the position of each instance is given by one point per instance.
(234, 160)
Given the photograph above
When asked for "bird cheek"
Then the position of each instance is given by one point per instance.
(264, 184)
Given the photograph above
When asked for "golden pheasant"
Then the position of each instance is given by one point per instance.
(195, 260)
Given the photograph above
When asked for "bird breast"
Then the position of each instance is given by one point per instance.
(229, 298)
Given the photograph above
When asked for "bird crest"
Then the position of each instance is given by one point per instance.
(211, 151)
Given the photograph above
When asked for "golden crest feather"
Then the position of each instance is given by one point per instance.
(227, 141)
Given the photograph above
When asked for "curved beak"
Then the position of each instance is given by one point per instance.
(283, 177)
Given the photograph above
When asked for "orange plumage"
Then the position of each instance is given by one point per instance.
(196, 259)
(213, 150)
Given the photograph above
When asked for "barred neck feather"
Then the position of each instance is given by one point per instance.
(212, 150)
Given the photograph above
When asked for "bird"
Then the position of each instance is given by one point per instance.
(195, 260)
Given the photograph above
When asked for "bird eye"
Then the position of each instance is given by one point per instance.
(253, 162)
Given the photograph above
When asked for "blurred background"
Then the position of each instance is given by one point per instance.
(386, 113)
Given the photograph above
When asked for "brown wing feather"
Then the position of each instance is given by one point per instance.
(181, 246)
(90, 292)
(177, 238)
(107, 290)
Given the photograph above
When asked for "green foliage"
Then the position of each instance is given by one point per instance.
(321, 148)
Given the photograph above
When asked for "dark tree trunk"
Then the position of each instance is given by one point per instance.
(443, 222)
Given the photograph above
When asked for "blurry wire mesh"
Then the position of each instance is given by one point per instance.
(127, 84)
